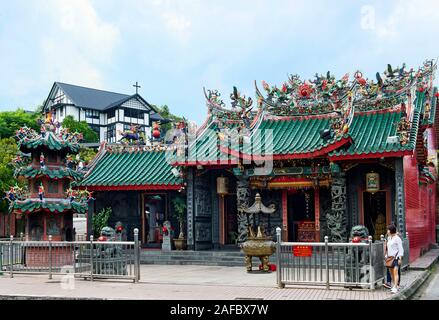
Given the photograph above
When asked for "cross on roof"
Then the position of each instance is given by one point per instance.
(137, 87)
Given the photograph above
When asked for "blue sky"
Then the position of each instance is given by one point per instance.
(175, 47)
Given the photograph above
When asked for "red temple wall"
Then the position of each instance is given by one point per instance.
(420, 205)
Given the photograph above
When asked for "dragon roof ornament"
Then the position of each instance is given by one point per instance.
(240, 114)
(325, 94)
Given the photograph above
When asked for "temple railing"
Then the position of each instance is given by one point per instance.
(349, 265)
(82, 259)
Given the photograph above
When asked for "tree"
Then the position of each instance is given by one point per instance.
(166, 113)
(87, 154)
(11, 121)
(180, 212)
(82, 127)
(100, 220)
(8, 151)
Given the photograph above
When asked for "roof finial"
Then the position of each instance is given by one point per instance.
(137, 87)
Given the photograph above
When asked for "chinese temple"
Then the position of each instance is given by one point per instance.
(46, 162)
(139, 184)
(328, 153)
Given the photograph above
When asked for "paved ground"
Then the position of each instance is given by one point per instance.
(189, 282)
(178, 283)
(430, 290)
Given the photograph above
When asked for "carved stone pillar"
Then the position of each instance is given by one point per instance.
(190, 209)
(337, 218)
(243, 199)
(400, 199)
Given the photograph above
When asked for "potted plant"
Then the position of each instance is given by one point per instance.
(180, 212)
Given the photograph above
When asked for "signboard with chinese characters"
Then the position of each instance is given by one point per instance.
(302, 251)
(372, 182)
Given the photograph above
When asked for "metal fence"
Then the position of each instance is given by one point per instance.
(85, 259)
(350, 265)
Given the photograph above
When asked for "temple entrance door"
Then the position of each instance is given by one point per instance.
(154, 214)
(375, 213)
(230, 219)
(301, 213)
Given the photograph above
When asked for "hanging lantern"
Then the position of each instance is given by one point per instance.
(372, 182)
(222, 185)
(156, 130)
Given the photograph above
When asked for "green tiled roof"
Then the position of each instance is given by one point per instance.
(31, 172)
(138, 168)
(51, 141)
(369, 133)
(32, 205)
(298, 135)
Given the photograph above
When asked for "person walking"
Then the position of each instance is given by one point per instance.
(394, 254)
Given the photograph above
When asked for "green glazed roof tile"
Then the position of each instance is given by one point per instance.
(32, 205)
(132, 169)
(50, 141)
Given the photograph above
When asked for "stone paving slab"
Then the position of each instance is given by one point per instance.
(189, 282)
(177, 283)
(426, 261)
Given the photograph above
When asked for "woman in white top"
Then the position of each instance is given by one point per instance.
(394, 249)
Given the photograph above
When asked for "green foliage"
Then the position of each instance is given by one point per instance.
(100, 220)
(82, 127)
(11, 121)
(87, 154)
(8, 151)
(165, 113)
(180, 208)
(180, 212)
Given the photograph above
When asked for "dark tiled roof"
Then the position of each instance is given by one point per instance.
(91, 98)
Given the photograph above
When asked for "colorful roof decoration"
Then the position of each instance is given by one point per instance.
(36, 172)
(297, 137)
(345, 118)
(29, 139)
(132, 168)
(52, 205)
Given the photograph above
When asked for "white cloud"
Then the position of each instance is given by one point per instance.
(178, 24)
(407, 19)
(79, 45)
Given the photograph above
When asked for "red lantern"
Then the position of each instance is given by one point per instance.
(102, 238)
(356, 240)
(436, 94)
(421, 89)
(156, 131)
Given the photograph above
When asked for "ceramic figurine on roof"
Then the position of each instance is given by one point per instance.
(132, 135)
(48, 176)
(240, 115)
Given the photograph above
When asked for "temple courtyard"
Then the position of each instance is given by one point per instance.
(190, 282)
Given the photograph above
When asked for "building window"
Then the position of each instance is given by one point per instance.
(134, 113)
(95, 128)
(111, 114)
(111, 133)
(52, 157)
(128, 127)
(53, 186)
(61, 112)
(93, 114)
(37, 184)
